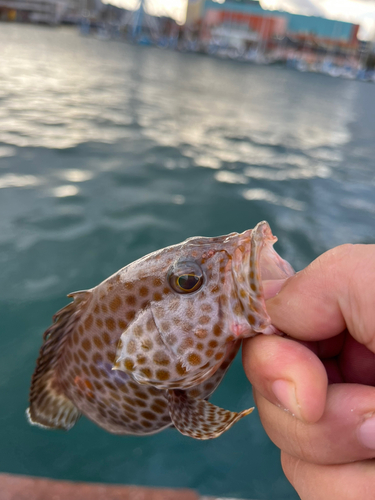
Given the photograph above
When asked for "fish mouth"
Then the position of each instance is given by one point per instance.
(271, 265)
(255, 264)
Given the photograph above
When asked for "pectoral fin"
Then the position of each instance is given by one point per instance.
(198, 418)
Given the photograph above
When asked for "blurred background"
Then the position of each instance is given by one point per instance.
(125, 128)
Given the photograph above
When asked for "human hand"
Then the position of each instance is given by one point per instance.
(316, 396)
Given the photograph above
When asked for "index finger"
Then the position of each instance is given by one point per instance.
(334, 292)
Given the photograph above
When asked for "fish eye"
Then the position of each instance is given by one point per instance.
(186, 278)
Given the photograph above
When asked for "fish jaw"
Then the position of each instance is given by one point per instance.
(254, 261)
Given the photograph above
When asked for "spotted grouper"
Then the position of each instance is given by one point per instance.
(146, 348)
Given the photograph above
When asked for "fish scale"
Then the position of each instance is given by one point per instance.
(147, 347)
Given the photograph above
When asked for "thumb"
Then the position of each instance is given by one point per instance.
(333, 293)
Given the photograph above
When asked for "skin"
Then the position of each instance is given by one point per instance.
(315, 386)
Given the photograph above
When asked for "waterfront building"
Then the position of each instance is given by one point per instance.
(48, 11)
(248, 21)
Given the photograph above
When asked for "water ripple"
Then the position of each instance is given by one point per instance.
(270, 197)
(14, 180)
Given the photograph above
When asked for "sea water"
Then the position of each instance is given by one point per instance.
(109, 151)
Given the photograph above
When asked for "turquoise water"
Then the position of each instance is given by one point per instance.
(109, 151)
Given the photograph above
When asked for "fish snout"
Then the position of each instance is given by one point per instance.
(255, 262)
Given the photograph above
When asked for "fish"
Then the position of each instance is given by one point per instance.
(146, 348)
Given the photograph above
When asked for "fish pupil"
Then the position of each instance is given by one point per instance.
(185, 277)
(188, 282)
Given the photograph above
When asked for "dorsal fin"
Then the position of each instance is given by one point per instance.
(49, 407)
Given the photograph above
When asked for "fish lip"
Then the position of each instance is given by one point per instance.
(255, 260)
(268, 263)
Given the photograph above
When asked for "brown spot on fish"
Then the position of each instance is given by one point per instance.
(186, 344)
(148, 415)
(146, 345)
(94, 371)
(238, 309)
(146, 424)
(162, 375)
(146, 372)
(110, 323)
(140, 403)
(141, 360)
(131, 347)
(194, 359)
(88, 322)
(123, 388)
(98, 342)
(161, 402)
(122, 324)
(111, 356)
(171, 339)
(115, 303)
(106, 338)
(157, 282)
(131, 300)
(138, 331)
(181, 370)
(206, 308)
(204, 320)
(85, 370)
(82, 355)
(141, 395)
(160, 358)
(217, 330)
(86, 344)
(129, 364)
(194, 393)
(201, 333)
(165, 325)
(157, 409)
(130, 315)
(251, 319)
(109, 384)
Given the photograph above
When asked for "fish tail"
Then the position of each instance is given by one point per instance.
(49, 406)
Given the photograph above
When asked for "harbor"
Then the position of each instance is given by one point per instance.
(236, 30)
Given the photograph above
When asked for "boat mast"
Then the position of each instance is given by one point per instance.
(138, 19)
